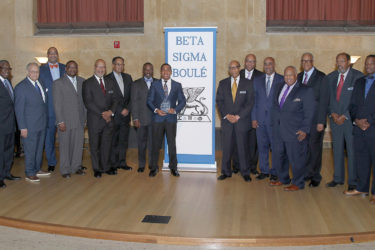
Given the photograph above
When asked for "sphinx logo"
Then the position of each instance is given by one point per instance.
(195, 110)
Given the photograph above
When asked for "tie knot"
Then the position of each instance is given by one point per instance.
(368, 77)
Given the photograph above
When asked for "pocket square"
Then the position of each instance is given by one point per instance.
(47, 90)
(350, 88)
(110, 91)
(243, 92)
(297, 100)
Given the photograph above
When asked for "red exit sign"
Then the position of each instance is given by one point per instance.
(116, 44)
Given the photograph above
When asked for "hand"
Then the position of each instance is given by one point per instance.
(254, 124)
(124, 112)
(362, 124)
(24, 133)
(107, 115)
(320, 127)
(160, 112)
(230, 118)
(171, 111)
(301, 135)
(237, 118)
(340, 120)
(62, 127)
(334, 117)
(137, 123)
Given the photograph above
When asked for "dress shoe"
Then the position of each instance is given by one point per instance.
(291, 188)
(354, 192)
(223, 177)
(247, 178)
(111, 172)
(314, 183)
(125, 167)
(273, 177)
(12, 178)
(66, 176)
(51, 168)
(372, 200)
(254, 172)
(43, 173)
(97, 174)
(83, 167)
(276, 183)
(2, 184)
(80, 172)
(333, 184)
(262, 176)
(175, 172)
(235, 168)
(153, 172)
(32, 178)
(351, 187)
(140, 170)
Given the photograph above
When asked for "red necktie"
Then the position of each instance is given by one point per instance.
(102, 85)
(339, 87)
(53, 66)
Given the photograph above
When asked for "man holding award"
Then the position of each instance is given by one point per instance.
(165, 99)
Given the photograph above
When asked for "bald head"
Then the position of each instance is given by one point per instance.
(100, 68)
(234, 68)
(290, 75)
(53, 55)
(269, 65)
(250, 62)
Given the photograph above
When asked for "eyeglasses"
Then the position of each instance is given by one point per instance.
(306, 61)
(234, 67)
(119, 64)
(5, 68)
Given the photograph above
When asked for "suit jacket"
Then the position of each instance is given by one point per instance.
(242, 106)
(124, 100)
(68, 103)
(31, 110)
(140, 110)
(7, 116)
(256, 73)
(363, 108)
(176, 98)
(342, 107)
(296, 114)
(316, 83)
(263, 104)
(96, 102)
(45, 78)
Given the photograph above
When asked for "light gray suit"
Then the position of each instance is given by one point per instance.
(69, 109)
(342, 133)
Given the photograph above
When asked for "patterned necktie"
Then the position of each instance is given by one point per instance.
(234, 90)
(305, 81)
(38, 89)
(268, 85)
(249, 76)
(339, 87)
(102, 85)
(9, 89)
(165, 88)
(284, 97)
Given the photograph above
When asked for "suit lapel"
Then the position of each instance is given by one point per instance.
(290, 96)
(159, 88)
(117, 84)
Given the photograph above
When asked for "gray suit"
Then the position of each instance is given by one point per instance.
(342, 134)
(70, 109)
(141, 112)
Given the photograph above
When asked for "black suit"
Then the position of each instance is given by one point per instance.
(142, 113)
(252, 136)
(121, 123)
(7, 129)
(100, 132)
(362, 107)
(235, 135)
(315, 149)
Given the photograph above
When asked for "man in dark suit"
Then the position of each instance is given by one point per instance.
(142, 114)
(50, 72)
(31, 112)
(250, 73)
(362, 111)
(101, 103)
(292, 113)
(234, 100)
(166, 99)
(121, 119)
(265, 87)
(340, 85)
(311, 77)
(70, 119)
(7, 124)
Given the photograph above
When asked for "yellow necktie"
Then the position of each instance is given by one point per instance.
(234, 89)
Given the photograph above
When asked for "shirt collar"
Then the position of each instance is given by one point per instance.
(33, 82)
(3, 79)
(147, 79)
(72, 79)
(370, 76)
(270, 76)
(310, 71)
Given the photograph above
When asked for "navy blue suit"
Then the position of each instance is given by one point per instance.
(45, 78)
(235, 134)
(296, 114)
(31, 113)
(262, 114)
(165, 124)
(362, 107)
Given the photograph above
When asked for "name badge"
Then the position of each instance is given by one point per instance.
(243, 92)
(350, 88)
(110, 91)
(297, 100)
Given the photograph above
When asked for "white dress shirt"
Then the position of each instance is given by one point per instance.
(309, 73)
(73, 80)
(98, 79)
(284, 89)
(120, 81)
(232, 80)
(247, 73)
(271, 79)
(345, 75)
(39, 86)
(169, 84)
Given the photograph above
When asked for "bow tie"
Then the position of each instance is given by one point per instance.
(54, 66)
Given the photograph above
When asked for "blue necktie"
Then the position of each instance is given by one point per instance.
(38, 89)
(369, 82)
(9, 89)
